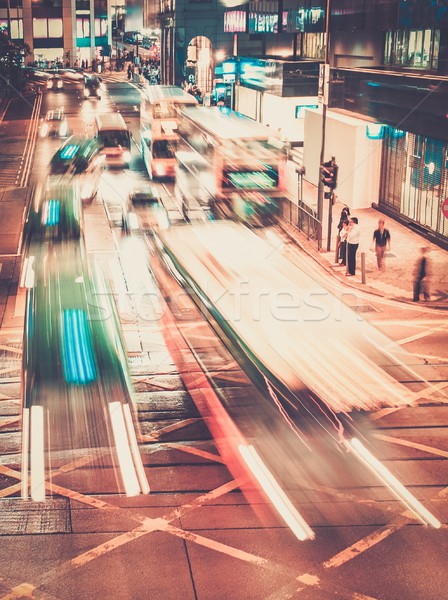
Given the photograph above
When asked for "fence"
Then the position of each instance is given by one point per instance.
(302, 216)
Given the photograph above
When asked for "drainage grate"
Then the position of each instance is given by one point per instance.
(20, 517)
(365, 308)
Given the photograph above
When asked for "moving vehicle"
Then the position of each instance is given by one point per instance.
(135, 210)
(112, 133)
(247, 161)
(55, 82)
(81, 159)
(55, 124)
(93, 87)
(195, 187)
(159, 120)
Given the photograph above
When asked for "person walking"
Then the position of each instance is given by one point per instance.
(422, 276)
(353, 235)
(381, 240)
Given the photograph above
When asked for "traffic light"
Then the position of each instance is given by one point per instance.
(329, 174)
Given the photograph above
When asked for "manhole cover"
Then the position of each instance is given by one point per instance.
(365, 308)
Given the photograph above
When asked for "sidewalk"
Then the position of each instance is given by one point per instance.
(395, 281)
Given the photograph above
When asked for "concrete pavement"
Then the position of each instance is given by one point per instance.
(395, 281)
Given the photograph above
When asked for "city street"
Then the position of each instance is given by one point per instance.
(206, 530)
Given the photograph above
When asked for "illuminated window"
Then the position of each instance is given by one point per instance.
(47, 28)
(82, 27)
(100, 27)
(55, 28)
(40, 28)
(415, 48)
(17, 29)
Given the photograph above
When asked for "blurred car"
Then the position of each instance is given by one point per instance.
(36, 75)
(145, 195)
(54, 82)
(55, 124)
(72, 74)
(93, 87)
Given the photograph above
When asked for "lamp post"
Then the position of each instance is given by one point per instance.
(326, 73)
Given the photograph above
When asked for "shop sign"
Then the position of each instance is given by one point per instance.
(262, 22)
(235, 21)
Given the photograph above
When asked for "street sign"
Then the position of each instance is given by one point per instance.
(445, 207)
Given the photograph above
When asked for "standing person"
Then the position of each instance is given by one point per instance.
(422, 276)
(343, 245)
(345, 213)
(129, 71)
(381, 239)
(353, 235)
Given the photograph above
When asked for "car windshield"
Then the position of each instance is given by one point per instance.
(112, 139)
(164, 148)
(93, 82)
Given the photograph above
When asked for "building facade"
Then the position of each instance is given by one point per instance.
(388, 93)
(63, 31)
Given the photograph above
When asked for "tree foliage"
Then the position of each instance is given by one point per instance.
(11, 58)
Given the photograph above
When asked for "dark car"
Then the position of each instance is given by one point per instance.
(148, 194)
(93, 87)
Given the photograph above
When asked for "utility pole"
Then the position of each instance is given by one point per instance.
(326, 75)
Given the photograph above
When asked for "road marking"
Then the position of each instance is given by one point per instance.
(427, 332)
(408, 444)
(155, 435)
(11, 349)
(362, 545)
(421, 395)
(24, 590)
(196, 451)
(7, 422)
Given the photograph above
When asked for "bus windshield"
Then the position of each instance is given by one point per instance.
(164, 148)
(113, 139)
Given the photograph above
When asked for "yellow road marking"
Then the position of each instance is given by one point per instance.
(12, 489)
(11, 349)
(196, 452)
(427, 332)
(155, 435)
(408, 444)
(24, 590)
(362, 545)
(10, 421)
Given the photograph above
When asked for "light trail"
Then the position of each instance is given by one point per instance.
(397, 488)
(37, 454)
(276, 495)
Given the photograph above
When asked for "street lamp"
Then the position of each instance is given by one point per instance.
(326, 72)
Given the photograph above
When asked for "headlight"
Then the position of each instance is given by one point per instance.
(44, 130)
(86, 92)
(49, 84)
(63, 129)
(127, 156)
(160, 170)
(87, 191)
(60, 83)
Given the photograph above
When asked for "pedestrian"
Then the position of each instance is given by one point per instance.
(129, 71)
(381, 239)
(422, 276)
(353, 235)
(343, 245)
(345, 214)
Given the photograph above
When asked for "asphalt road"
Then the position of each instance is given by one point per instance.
(196, 535)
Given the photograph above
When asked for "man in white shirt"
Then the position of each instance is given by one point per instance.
(354, 232)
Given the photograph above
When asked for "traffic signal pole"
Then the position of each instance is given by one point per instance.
(320, 188)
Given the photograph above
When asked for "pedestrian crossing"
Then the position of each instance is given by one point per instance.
(9, 167)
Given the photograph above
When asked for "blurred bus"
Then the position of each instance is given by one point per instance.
(80, 158)
(194, 187)
(248, 160)
(113, 134)
(159, 120)
(76, 387)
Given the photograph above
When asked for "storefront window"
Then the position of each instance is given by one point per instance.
(40, 28)
(415, 48)
(414, 179)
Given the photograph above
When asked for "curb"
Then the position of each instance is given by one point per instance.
(368, 289)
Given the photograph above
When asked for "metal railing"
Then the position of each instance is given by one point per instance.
(302, 216)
